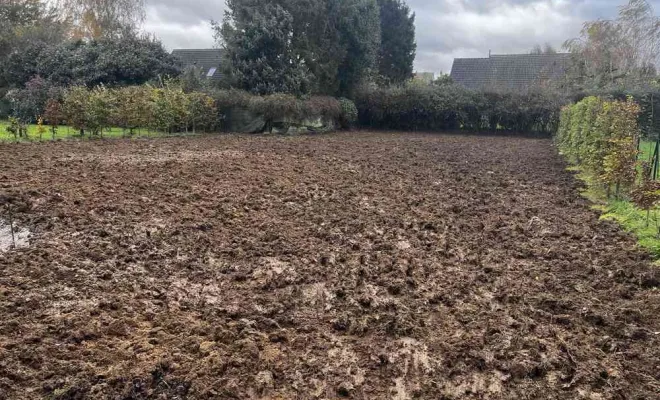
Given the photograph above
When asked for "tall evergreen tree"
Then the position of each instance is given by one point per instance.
(397, 46)
(336, 41)
(360, 32)
(259, 53)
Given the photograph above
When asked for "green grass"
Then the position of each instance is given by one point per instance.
(635, 220)
(646, 150)
(64, 132)
(631, 218)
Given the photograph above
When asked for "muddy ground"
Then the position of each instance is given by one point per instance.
(357, 265)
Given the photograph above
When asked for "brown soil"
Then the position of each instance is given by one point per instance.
(361, 265)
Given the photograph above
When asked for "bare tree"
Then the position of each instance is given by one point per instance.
(549, 49)
(640, 29)
(97, 18)
(546, 49)
(626, 47)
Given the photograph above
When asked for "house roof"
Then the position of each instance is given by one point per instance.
(512, 71)
(205, 59)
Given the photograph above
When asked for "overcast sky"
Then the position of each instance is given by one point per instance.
(445, 28)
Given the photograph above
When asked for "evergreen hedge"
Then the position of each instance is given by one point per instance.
(416, 107)
(281, 107)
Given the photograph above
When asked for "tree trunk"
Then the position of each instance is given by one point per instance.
(618, 187)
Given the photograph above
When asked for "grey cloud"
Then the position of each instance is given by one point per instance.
(178, 33)
(445, 28)
(188, 10)
(454, 28)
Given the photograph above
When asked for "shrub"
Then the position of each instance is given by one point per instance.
(648, 99)
(163, 113)
(620, 161)
(562, 138)
(279, 107)
(170, 109)
(203, 111)
(53, 115)
(101, 104)
(76, 108)
(324, 107)
(447, 107)
(349, 113)
(602, 136)
(29, 102)
(228, 99)
(17, 128)
(132, 109)
(41, 129)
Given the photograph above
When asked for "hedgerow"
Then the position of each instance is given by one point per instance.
(648, 99)
(415, 107)
(166, 109)
(281, 107)
(170, 109)
(602, 137)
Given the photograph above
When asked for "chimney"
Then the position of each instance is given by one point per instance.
(488, 53)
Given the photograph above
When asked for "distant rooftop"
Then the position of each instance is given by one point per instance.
(208, 60)
(509, 71)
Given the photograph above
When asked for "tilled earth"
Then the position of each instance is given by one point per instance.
(357, 265)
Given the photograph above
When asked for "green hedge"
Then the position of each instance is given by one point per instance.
(417, 107)
(169, 108)
(647, 98)
(281, 107)
(602, 137)
(166, 109)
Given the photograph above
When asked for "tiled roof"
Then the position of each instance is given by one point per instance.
(205, 59)
(513, 72)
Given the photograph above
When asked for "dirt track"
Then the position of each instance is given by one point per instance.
(368, 266)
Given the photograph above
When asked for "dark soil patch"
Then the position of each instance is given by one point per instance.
(358, 265)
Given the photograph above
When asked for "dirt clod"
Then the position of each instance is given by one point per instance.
(360, 265)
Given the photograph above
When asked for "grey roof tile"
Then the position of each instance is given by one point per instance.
(511, 72)
(205, 59)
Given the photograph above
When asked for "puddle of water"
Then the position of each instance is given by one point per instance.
(21, 237)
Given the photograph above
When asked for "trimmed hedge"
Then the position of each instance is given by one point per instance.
(602, 137)
(171, 109)
(286, 108)
(647, 98)
(167, 109)
(417, 107)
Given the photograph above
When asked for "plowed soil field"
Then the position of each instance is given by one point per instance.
(356, 265)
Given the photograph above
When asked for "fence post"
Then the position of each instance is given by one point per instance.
(11, 226)
(656, 154)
